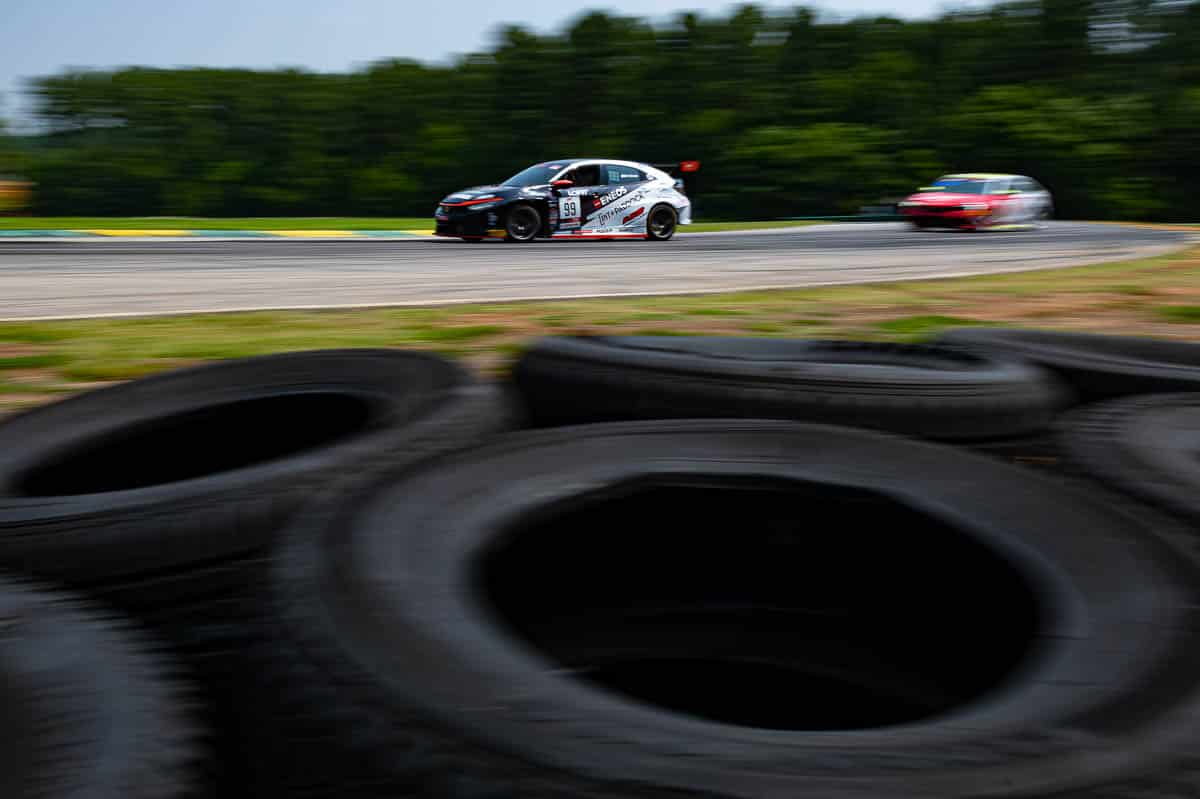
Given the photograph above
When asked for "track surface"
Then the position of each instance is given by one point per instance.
(48, 278)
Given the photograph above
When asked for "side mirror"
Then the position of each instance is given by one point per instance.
(563, 184)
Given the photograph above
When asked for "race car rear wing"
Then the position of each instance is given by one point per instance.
(682, 166)
(684, 173)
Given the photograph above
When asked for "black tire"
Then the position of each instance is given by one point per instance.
(522, 223)
(91, 711)
(661, 223)
(443, 636)
(1145, 446)
(915, 389)
(178, 529)
(180, 475)
(1096, 366)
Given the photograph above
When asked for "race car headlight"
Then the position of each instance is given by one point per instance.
(484, 206)
(905, 204)
(975, 206)
(440, 211)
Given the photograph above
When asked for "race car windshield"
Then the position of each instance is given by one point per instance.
(960, 185)
(539, 175)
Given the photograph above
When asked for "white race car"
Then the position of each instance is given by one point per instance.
(571, 198)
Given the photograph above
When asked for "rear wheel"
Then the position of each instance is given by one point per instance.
(522, 223)
(661, 224)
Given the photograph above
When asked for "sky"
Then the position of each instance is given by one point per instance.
(41, 37)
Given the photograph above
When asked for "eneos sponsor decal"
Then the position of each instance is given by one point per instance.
(611, 197)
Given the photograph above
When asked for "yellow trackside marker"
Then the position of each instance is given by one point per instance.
(139, 232)
(311, 234)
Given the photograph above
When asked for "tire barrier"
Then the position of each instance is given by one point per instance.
(723, 568)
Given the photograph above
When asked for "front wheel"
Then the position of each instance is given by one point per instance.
(661, 224)
(522, 223)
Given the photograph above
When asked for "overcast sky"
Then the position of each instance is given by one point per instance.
(40, 37)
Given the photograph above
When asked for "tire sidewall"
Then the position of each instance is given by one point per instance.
(650, 234)
(1019, 736)
(522, 208)
(415, 399)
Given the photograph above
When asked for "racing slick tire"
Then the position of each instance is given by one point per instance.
(456, 633)
(922, 390)
(91, 710)
(1095, 366)
(1145, 446)
(522, 223)
(661, 223)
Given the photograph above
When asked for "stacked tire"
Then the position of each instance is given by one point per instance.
(713, 567)
(733, 609)
(163, 497)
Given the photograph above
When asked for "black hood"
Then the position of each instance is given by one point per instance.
(500, 192)
(479, 192)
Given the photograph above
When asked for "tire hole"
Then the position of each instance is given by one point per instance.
(198, 443)
(781, 606)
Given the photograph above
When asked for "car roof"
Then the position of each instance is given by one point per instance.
(617, 162)
(567, 162)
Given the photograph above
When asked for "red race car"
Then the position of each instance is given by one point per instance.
(974, 201)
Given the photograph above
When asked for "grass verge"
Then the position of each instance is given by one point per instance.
(1156, 296)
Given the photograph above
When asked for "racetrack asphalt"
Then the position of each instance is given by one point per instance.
(68, 278)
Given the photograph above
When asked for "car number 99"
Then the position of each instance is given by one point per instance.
(568, 207)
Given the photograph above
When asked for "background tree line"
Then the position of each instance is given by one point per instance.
(790, 114)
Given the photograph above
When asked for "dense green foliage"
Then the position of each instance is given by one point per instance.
(790, 115)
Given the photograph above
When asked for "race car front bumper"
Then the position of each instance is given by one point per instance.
(467, 224)
(948, 217)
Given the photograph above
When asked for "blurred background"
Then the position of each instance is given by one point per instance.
(792, 111)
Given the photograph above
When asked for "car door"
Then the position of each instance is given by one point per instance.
(1005, 202)
(621, 204)
(575, 203)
